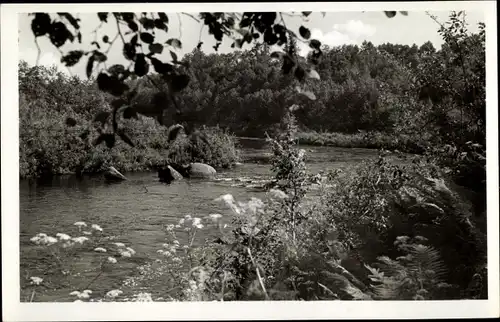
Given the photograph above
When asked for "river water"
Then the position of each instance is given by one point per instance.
(135, 212)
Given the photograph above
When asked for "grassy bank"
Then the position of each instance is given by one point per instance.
(371, 140)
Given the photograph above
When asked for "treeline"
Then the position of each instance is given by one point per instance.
(415, 93)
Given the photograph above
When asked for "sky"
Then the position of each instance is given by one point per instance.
(332, 28)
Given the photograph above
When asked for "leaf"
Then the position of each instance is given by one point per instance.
(277, 54)
(404, 13)
(173, 132)
(103, 16)
(109, 139)
(147, 23)
(70, 121)
(156, 48)
(306, 13)
(160, 24)
(116, 69)
(390, 14)
(163, 16)
(72, 58)
(96, 44)
(308, 94)
(100, 57)
(72, 20)
(105, 39)
(147, 37)
(41, 24)
(129, 51)
(174, 56)
(90, 65)
(179, 82)
(315, 44)
(133, 26)
(299, 73)
(313, 74)
(101, 117)
(176, 43)
(117, 103)
(125, 137)
(304, 32)
(111, 84)
(59, 34)
(129, 113)
(141, 67)
(160, 67)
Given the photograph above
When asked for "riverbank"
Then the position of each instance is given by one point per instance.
(369, 140)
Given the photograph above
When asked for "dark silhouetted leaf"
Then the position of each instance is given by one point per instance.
(288, 64)
(160, 67)
(111, 84)
(404, 13)
(174, 56)
(147, 37)
(179, 82)
(147, 23)
(103, 16)
(299, 73)
(129, 51)
(173, 132)
(90, 66)
(304, 32)
(41, 24)
(199, 45)
(96, 44)
(70, 121)
(100, 57)
(105, 39)
(160, 24)
(163, 16)
(176, 43)
(156, 48)
(117, 103)
(277, 54)
(129, 113)
(141, 67)
(72, 58)
(59, 34)
(79, 36)
(315, 44)
(270, 37)
(133, 26)
(306, 13)
(116, 70)
(109, 139)
(390, 14)
(125, 137)
(72, 20)
(101, 117)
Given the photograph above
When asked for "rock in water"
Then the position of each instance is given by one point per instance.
(114, 175)
(169, 174)
(201, 170)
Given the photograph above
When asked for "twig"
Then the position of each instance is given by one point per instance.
(39, 52)
(223, 284)
(32, 296)
(119, 30)
(93, 280)
(180, 25)
(191, 16)
(258, 274)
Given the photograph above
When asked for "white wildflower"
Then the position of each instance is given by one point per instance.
(170, 227)
(80, 224)
(143, 297)
(100, 250)
(176, 242)
(88, 233)
(125, 254)
(187, 217)
(119, 244)
(197, 223)
(81, 295)
(228, 199)
(36, 280)
(112, 260)
(130, 250)
(177, 226)
(278, 194)
(114, 293)
(62, 236)
(181, 221)
(79, 240)
(96, 227)
(215, 217)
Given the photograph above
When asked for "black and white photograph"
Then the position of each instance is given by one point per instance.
(170, 154)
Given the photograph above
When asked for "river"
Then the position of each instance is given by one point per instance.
(136, 212)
